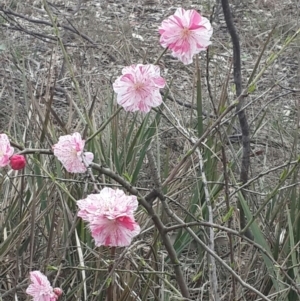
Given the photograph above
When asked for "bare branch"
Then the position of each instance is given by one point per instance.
(239, 108)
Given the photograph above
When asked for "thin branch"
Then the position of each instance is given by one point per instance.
(9, 12)
(207, 249)
(239, 108)
(197, 143)
(228, 208)
(156, 220)
(211, 242)
(236, 233)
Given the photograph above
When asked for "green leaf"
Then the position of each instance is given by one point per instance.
(197, 277)
(228, 214)
(252, 88)
(127, 177)
(259, 238)
(52, 268)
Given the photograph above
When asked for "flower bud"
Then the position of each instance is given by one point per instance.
(58, 292)
(17, 162)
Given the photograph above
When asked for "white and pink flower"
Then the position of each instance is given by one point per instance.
(138, 88)
(185, 33)
(40, 288)
(6, 151)
(110, 217)
(70, 152)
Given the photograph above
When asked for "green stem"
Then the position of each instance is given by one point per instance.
(110, 287)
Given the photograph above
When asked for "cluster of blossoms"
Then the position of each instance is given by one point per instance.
(7, 157)
(110, 213)
(186, 33)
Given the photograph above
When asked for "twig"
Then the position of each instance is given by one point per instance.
(186, 104)
(154, 172)
(226, 190)
(9, 12)
(236, 233)
(156, 220)
(239, 108)
(227, 267)
(197, 143)
(211, 242)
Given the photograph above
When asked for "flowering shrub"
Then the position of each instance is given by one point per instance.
(110, 213)
(40, 288)
(186, 33)
(6, 150)
(17, 162)
(138, 88)
(110, 217)
(69, 151)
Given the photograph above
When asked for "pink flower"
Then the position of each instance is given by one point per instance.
(69, 151)
(40, 288)
(138, 88)
(110, 217)
(6, 150)
(17, 162)
(186, 33)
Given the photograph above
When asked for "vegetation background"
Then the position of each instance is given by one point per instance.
(58, 60)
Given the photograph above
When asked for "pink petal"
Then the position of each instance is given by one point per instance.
(88, 157)
(118, 233)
